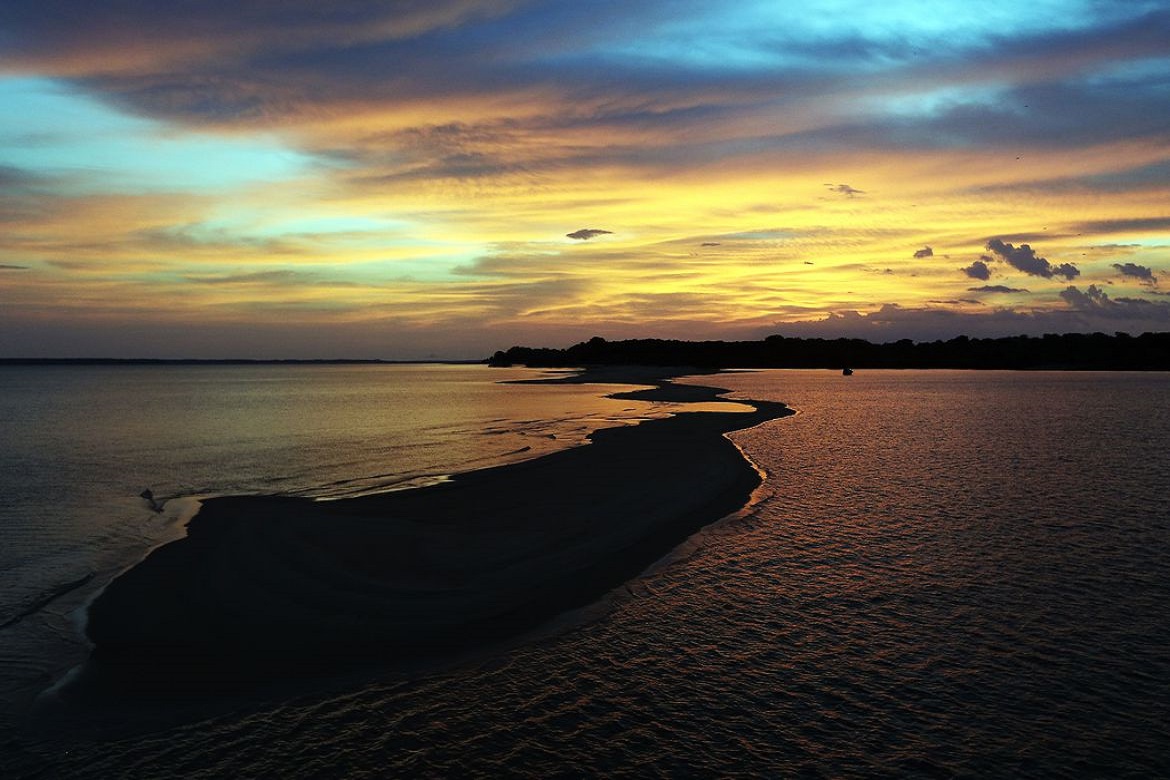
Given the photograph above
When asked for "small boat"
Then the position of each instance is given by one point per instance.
(847, 372)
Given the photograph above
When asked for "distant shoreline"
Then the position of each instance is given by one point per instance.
(264, 586)
(224, 362)
(1051, 352)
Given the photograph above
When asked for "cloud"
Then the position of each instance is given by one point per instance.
(258, 277)
(1056, 90)
(1092, 298)
(891, 322)
(1024, 258)
(978, 270)
(1096, 301)
(488, 120)
(995, 288)
(132, 36)
(1139, 225)
(1151, 176)
(768, 234)
(925, 251)
(13, 267)
(709, 243)
(11, 176)
(844, 189)
(1027, 238)
(1142, 273)
(584, 234)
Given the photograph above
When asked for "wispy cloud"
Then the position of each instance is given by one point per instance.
(844, 189)
(1136, 225)
(996, 288)
(282, 277)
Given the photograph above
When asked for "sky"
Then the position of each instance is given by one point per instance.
(445, 178)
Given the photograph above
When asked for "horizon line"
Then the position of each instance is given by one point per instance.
(229, 361)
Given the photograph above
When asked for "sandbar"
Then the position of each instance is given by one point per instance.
(265, 584)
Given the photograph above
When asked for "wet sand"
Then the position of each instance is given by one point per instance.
(263, 585)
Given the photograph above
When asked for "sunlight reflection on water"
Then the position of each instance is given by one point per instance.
(80, 443)
(947, 574)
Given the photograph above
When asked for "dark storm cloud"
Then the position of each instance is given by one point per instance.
(1024, 258)
(925, 251)
(1142, 273)
(584, 234)
(996, 288)
(978, 270)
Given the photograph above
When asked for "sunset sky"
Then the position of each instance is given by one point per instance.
(444, 178)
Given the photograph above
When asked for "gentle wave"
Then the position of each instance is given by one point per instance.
(946, 574)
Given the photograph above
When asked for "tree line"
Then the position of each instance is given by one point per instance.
(1068, 351)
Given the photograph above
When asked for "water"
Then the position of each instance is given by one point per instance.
(944, 574)
(80, 443)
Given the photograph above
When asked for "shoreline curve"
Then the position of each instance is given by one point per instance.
(264, 586)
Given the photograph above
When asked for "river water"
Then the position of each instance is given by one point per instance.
(945, 574)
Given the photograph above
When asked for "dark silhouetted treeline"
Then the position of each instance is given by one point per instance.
(1070, 351)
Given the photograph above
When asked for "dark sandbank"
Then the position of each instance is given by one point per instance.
(265, 584)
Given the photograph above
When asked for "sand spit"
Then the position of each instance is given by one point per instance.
(264, 583)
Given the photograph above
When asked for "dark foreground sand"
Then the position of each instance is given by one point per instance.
(263, 584)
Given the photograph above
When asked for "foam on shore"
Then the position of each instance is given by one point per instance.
(265, 584)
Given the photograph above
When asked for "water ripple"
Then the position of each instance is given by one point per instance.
(947, 575)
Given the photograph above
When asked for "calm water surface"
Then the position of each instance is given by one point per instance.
(945, 574)
(80, 443)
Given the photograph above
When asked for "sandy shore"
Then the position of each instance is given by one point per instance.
(263, 583)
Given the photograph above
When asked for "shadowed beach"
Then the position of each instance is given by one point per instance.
(265, 584)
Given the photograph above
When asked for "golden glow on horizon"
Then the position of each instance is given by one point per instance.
(734, 204)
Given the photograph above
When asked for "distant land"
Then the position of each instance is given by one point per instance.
(218, 362)
(1069, 351)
